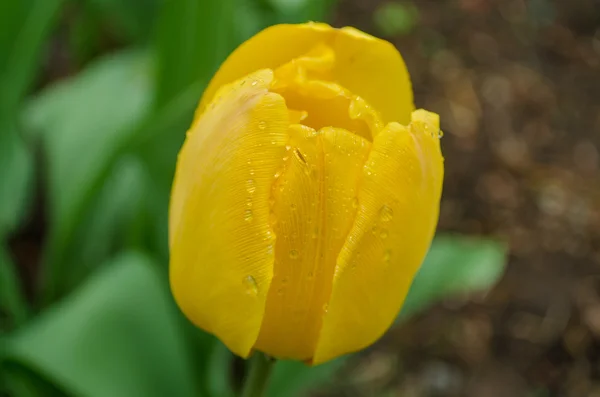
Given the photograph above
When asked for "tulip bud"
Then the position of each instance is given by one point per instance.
(306, 195)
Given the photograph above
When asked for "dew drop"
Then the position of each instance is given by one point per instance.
(254, 83)
(387, 255)
(250, 186)
(440, 134)
(272, 218)
(326, 307)
(383, 234)
(357, 105)
(355, 202)
(250, 285)
(386, 214)
(293, 254)
(262, 125)
(248, 215)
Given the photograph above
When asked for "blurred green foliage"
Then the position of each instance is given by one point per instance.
(98, 148)
(396, 18)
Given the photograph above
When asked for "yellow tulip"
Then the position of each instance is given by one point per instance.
(306, 195)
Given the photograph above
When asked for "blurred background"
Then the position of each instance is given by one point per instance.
(95, 97)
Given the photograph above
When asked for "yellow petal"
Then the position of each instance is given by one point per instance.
(369, 67)
(220, 237)
(314, 204)
(398, 205)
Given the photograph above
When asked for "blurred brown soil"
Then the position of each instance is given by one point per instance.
(517, 86)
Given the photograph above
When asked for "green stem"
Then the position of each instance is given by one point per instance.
(256, 381)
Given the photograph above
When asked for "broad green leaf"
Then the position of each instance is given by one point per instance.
(16, 177)
(293, 378)
(118, 335)
(25, 25)
(84, 124)
(109, 223)
(133, 20)
(12, 303)
(194, 37)
(218, 375)
(455, 265)
(298, 11)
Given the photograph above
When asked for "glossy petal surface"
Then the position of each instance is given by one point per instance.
(365, 65)
(314, 205)
(221, 242)
(398, 204)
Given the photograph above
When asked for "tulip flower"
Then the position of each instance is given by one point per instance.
(306, 195)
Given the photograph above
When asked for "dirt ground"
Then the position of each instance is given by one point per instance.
(517, 86)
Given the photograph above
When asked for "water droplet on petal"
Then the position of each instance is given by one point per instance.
(250, 285)
(383, 234)
(293, 254)
(386, 214)
(248, 215)
(387, 256)
(250, 186)
(355, 202)
(262, 125)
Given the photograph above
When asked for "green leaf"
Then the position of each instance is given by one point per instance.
(11, 297)
(118, 335)
(299, 11)
(25, 25)
(16, 177)
(194, 37)
(84, 124)
(294, 378)
(109, 223)
(218, 371)
(455, 265)
(134, 20)
(396, 18)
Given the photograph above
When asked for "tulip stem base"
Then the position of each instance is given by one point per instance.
(255, 384)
